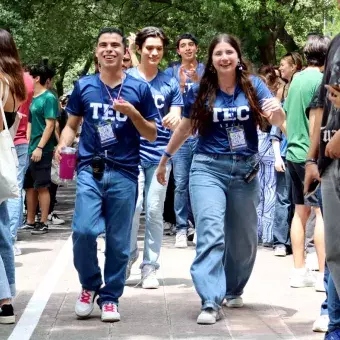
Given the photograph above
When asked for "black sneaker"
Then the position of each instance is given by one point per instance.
(40, 228)
(28, 226)
(7, 314)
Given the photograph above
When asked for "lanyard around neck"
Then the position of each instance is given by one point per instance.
(119, 92)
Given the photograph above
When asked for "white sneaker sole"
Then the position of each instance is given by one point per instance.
(280, 254)
(7, 320)
(55, 223)
(113, 318)
(234, 304)
(83, 315)
(181, 245)
(207, 320)
(150, 286)
(320, 329)
(301, 285)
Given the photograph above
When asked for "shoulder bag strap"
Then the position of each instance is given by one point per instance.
(3, 100)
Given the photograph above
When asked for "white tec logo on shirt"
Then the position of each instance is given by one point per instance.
(240, 113)
(108, 112)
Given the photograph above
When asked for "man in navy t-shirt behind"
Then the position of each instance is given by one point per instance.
(116, 110)
(187, 72)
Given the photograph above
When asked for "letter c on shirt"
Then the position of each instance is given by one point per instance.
(159, 101)
(243, 113)
(120, 117)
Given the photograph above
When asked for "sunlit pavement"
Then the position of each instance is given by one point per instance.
(48, 287)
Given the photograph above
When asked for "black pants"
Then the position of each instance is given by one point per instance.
(169, 210)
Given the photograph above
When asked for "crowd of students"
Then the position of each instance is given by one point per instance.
(238, 145)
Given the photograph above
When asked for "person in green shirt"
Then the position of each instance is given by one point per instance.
(43, 114)
(300, 94)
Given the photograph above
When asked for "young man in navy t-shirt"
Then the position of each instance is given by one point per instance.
(150, 42)
(188, 72)
(116, 110)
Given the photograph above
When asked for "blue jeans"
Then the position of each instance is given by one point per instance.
(154, 194)
(283, 209)
(324, 305)
(333, 306)
(181, 162)
(7, 267)
(266, 207)
(224, 208)
(15, 205)
(113, 198)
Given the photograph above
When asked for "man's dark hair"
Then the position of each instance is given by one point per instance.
(112, 30)
(43, 71)
(148, 32)
(187, 36)
(315, 50)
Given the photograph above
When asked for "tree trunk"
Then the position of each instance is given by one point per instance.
(62, 71)
(85, 70)
(267, 49)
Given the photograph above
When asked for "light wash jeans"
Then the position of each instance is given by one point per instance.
(224, 208)
(266, 207)
(7, 266)
(113, 198)
(330, 189)
(181, 163)
(15, 205)
(153, 193)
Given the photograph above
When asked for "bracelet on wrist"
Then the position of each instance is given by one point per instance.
(311, 161)
(167, 154)
(39, 147)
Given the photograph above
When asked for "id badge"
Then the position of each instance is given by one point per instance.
(106, 134)
(237, 138)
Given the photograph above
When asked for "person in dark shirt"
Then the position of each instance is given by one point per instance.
(325, 146)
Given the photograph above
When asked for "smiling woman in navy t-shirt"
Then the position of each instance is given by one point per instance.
(224, 109)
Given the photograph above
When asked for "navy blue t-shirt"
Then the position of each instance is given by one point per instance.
(90, 99)
(229, 111)
(166, 93)
(173, 71)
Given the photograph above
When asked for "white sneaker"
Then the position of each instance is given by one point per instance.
(234, 303)
(85, 303)
(321, 324)
(194, 241)
(319, 285)
(312, 262)
(280, 250)
(301, 278)
(53, 218)
(181, 239)
(149, 279)
(208, 317)
(16, 250)
(110, 312)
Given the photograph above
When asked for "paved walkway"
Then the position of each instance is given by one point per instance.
(48, 288)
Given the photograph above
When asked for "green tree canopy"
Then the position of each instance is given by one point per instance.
(64, 31)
